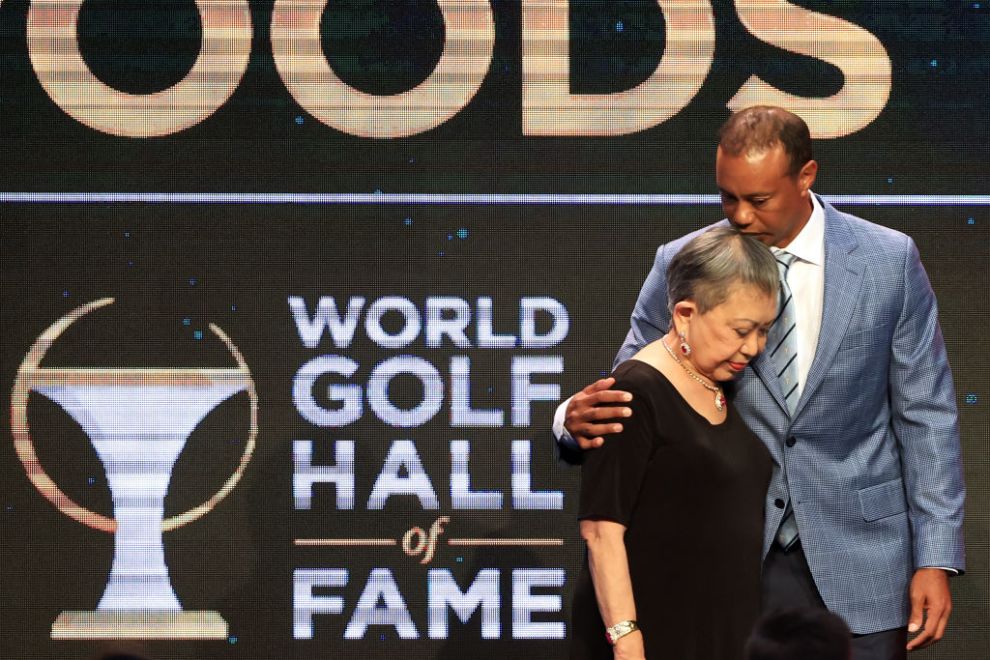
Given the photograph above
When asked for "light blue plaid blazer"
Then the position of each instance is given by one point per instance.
(875, 476)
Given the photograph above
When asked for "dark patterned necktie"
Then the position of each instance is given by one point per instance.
(783, 340)
(783, 344)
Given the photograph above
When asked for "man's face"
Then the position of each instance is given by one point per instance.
(761, 198)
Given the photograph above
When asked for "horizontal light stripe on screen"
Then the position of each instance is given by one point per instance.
(594, 199)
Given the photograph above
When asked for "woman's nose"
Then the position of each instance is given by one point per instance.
(753, 345)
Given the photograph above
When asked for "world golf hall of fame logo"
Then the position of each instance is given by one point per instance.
(138, 420)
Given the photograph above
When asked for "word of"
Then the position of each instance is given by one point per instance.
(425, 543)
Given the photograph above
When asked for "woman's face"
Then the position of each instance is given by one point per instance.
(727, 337)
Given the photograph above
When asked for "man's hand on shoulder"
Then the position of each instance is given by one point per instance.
(591, 413)
(931, 604)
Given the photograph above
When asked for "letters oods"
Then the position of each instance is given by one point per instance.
(549, 108)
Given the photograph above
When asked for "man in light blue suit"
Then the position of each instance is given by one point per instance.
(864, 510)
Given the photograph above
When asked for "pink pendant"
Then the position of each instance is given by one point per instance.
(719, 401)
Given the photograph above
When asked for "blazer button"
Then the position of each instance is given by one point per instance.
(779, 503)
(791, 441)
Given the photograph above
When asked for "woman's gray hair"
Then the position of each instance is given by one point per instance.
(705, 269)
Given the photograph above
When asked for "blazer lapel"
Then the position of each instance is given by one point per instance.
(763, 367)
(843, 279)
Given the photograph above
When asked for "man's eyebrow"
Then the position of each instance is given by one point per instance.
(726, 193)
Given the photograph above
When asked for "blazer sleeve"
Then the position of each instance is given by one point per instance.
(649, 322)
(925, 422)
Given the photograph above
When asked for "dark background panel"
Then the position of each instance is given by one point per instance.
(235, 265)
(176, 268)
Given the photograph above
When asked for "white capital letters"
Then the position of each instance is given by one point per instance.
(437, 325)
(350, 395)
(523, 496)
(305, 604)
(388, 412)
(411, 323)
(461, 495)
(461, 412)
(525, 603)
(381, 586)
(528, 307)
(483, 592)
(326, 316)
(305, 474)
(417, 483)
(525, 392)
(486, 327)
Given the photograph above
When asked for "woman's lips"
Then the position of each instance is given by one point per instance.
(737, 366)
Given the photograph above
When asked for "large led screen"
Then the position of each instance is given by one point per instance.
(290, 291)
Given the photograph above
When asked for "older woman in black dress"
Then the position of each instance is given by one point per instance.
(672, 507)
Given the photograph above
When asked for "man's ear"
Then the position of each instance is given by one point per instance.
(807, 176)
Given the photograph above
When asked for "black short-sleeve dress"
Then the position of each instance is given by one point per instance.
(691, 494)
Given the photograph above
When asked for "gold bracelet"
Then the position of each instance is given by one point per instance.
(620, 630)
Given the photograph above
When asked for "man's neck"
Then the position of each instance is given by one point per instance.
(800, 226)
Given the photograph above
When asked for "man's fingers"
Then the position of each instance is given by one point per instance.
(602, 412)
(931, 603)
(589, 411)
(598, 430)
(607, 396)
(930, 631)
(590, 443)
(921, 641)
(917, 618)
(936, 618)
(916, 621)
(589, 398)
(589, 436)
(599, 385)
(943, 622)
(925, 638)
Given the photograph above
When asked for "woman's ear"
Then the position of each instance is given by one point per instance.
(684, 312)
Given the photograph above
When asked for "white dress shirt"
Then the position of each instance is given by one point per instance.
(806, 278)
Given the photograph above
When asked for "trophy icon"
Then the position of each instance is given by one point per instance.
(138, 420)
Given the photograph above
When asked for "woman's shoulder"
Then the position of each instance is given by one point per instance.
(639, 377)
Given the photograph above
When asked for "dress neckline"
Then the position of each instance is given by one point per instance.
(683, 401)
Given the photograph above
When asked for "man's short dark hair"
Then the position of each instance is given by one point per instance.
(804, 634)
(762, 127)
